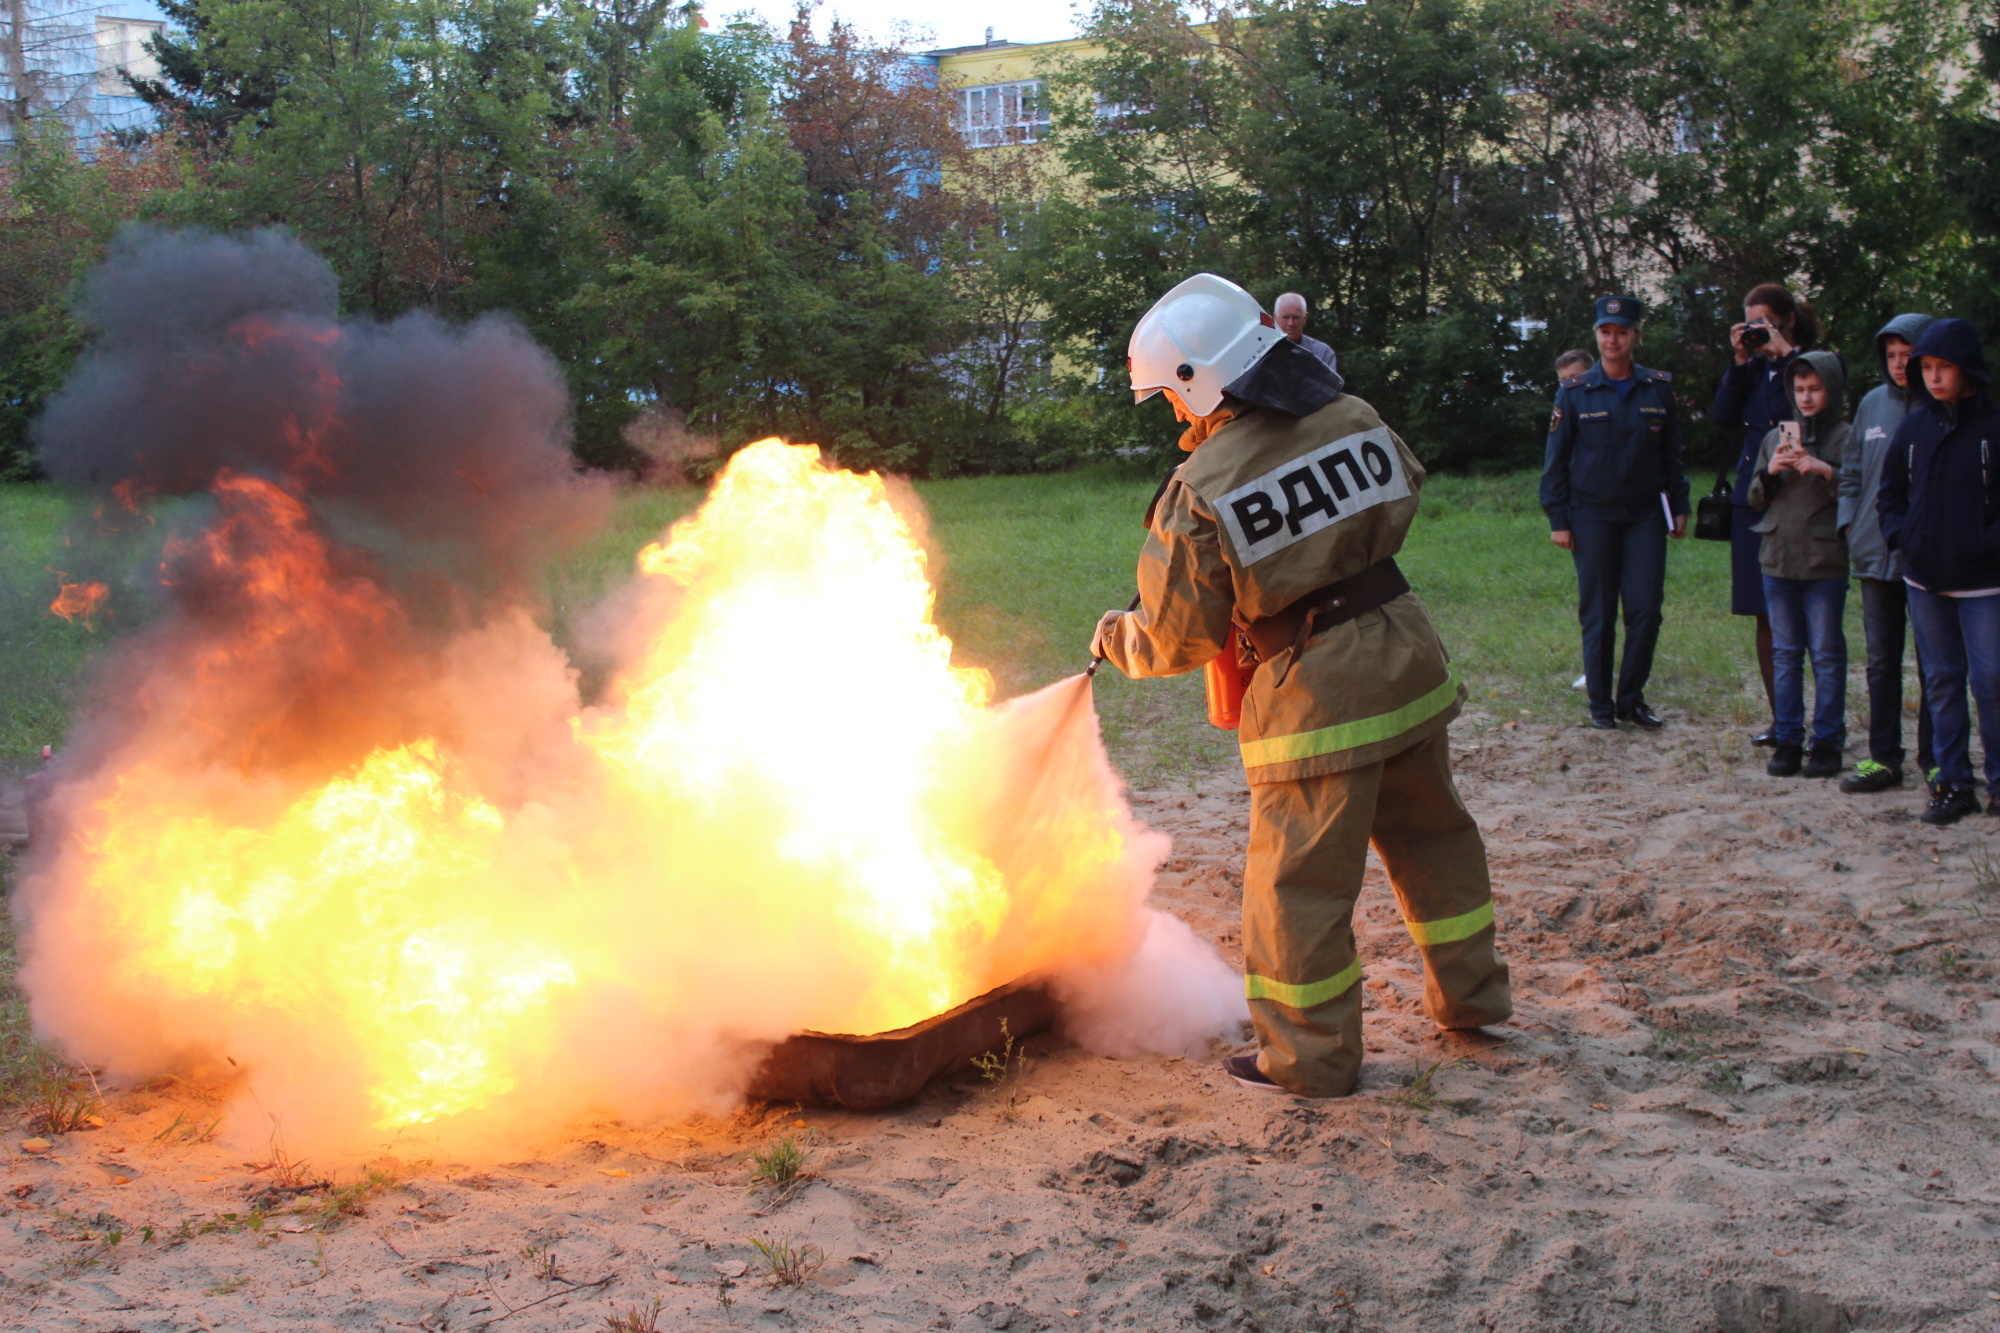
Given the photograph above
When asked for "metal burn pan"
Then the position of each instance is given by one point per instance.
(867, 1073)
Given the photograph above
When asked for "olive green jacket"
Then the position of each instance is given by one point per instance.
(1801, 519)
(1270, 508)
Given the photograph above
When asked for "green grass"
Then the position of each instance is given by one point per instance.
(1504, 598)
(21, 1057)
(41, 655)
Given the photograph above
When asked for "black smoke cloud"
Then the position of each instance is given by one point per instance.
(442, 449)
(364, 496)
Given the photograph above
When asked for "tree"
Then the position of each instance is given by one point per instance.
(1355, 152)
(58, 210)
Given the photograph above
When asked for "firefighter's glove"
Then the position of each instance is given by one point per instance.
(1107, 631)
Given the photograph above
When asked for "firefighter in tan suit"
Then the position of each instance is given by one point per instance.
(1276, 539)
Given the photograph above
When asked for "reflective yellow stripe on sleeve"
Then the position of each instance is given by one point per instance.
(1450, 929)
(1351, 735)
(1306, 996)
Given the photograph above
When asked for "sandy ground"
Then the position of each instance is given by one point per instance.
(1751, 1085)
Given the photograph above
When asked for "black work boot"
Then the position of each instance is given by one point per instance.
(1822, 761)
(1870, 776)
(1785, 759)
(1950, 805)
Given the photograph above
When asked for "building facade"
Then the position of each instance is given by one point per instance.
(68, 59)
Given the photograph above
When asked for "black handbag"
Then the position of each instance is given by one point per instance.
(1711, 512)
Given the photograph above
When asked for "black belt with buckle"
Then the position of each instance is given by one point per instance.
(1322, 609)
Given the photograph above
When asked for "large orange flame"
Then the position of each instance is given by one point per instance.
(792, 811)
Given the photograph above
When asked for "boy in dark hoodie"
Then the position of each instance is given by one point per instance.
(1884, 602)
(1804, 562)
(1940, 508)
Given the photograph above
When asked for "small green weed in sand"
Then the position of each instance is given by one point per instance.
(61, 1098)
(331, 1204)
(1985, 868)
(1421, 1094)
(542, 1262)
(636, 1319)
(782, 1166)
(787, 1265)
(994, 1065)
(189, 1129)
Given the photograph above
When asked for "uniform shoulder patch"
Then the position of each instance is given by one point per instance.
(1555, 420)
(1312, 492)
(1663, 376)
(1572, 381)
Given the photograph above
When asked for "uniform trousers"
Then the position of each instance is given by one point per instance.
(1309, 843)
(1620, 561)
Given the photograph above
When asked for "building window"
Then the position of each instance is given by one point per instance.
(121, 48)
(997, 113)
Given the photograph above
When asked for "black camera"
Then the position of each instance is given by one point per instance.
(1756, 335)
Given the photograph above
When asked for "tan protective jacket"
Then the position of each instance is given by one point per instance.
(1268, 509)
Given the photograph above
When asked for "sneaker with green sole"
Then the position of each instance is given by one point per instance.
(1869, 776)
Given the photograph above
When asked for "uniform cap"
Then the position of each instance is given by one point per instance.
(1625, 311)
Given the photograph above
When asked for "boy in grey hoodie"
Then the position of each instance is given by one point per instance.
(1883, 600)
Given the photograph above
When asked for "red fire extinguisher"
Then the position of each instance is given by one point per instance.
(1228, 676)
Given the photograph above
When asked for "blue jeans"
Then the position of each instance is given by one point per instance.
(1884, 604)
(1958, 639)
(1805, 615)
(1619, 560)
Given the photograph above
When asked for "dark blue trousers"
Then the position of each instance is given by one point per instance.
(1958, 641)
(1620, 562)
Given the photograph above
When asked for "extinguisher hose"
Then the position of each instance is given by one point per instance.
(1098, 660)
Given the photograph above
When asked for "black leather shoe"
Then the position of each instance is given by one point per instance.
(1766, 738)
(1643, 714)
(1822, 761)
(1785, 759)
(1603, 724)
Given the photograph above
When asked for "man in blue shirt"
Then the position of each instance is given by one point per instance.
(1610, 477)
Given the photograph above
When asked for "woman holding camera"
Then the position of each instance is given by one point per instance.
(1753, 398)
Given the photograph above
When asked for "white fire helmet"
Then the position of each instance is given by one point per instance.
(1199, 337)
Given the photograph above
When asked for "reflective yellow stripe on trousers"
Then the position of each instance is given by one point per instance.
(1306, 996)
(1353, 735)
(1451, 929)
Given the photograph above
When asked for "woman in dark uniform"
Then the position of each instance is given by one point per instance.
(1752, 398)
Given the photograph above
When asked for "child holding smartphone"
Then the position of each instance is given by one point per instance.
(1804, 562)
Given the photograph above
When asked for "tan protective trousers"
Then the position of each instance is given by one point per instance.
(1308, 852)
